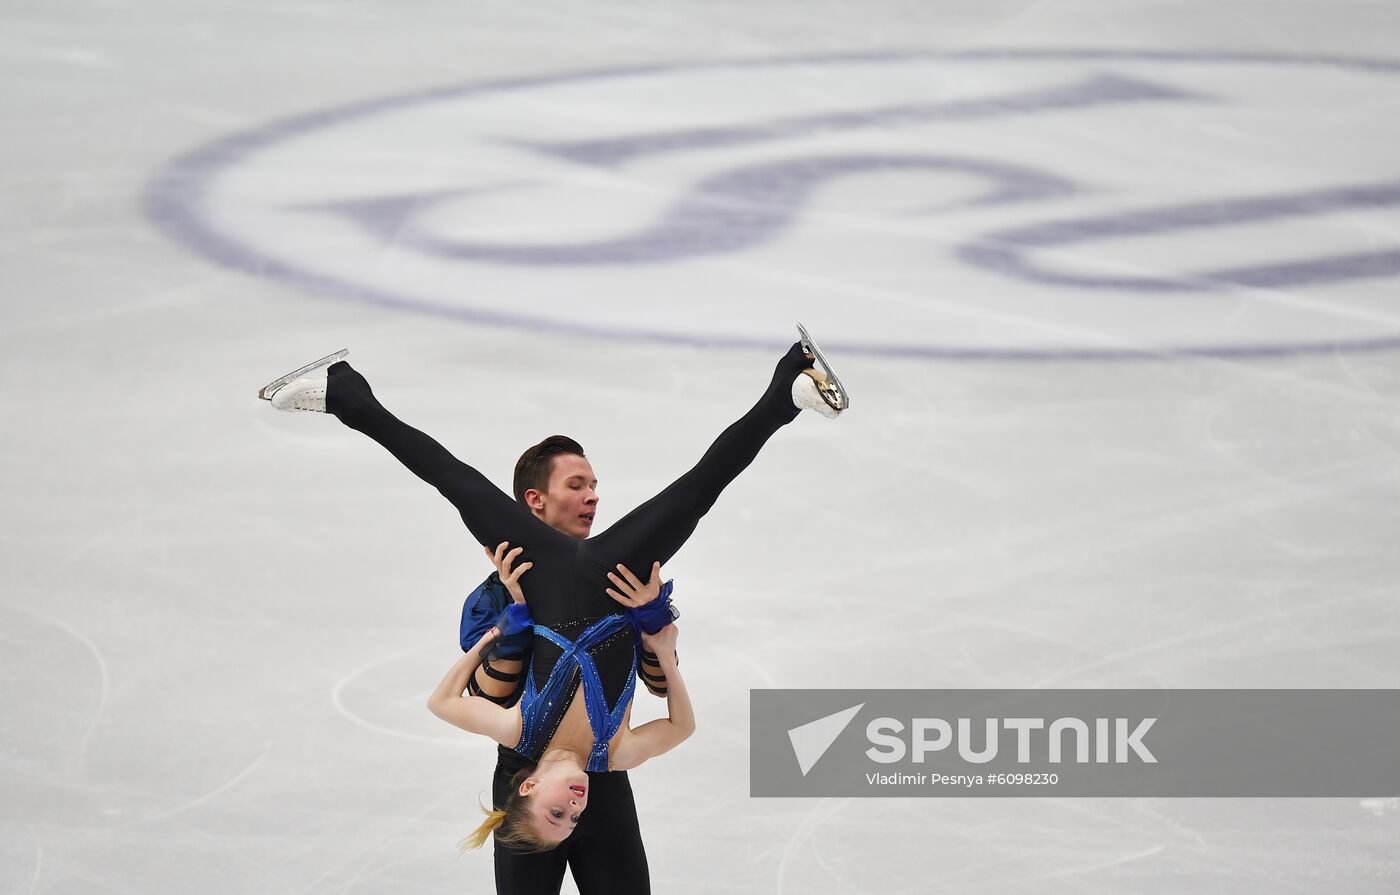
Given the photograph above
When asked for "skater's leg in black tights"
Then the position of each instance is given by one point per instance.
(490, 514)
(655, 530)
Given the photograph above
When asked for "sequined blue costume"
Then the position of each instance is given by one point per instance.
(567, 595)
(542, 707)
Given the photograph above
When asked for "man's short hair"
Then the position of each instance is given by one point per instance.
(532, 469)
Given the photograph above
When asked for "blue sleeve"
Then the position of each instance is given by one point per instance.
(652, 617)
(481, 609)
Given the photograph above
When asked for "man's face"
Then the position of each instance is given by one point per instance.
(570, 501)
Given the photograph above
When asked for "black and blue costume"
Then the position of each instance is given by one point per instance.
(486, 607)
(542, 705)
(605, 852)
(567, 582)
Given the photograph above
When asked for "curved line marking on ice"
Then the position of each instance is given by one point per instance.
(338, 690)
(215, 792)
(105, 678)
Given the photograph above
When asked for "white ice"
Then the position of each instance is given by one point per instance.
(218, 624)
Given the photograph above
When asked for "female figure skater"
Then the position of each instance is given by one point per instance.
(550, 789)
(605, 853)
(567, 568)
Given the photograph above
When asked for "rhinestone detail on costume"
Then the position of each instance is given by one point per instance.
(539, 704)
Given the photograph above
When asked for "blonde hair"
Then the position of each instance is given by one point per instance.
(477, 838)
(510, 824)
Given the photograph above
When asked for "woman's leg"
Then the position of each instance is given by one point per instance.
(655, 530)
(489, 513)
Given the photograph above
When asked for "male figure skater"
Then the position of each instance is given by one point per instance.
(554, 533)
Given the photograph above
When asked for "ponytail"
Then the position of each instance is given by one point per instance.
(477, 838)
(510, 824)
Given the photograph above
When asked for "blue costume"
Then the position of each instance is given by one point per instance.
(569, 574)
(543, 703)
(485, 607)
(605, 853)
(542, 706)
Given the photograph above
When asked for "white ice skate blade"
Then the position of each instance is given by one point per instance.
(809, 345)
(267, 391)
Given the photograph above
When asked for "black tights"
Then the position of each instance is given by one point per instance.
(568, 578)
(605, 851)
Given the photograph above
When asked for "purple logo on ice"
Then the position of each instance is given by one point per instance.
(1006, 204)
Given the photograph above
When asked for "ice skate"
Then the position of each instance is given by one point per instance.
(297, 391)
(817, 388)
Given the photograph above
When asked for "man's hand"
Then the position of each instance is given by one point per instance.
(633, 592)
(503, 558)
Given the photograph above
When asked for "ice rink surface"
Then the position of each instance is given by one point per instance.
(1112, 285)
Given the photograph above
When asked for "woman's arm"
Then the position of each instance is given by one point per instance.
(664, 734)
(634, 595)
(470, 713)
(499, 678)
(652, 675)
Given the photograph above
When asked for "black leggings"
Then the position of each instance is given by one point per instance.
(568, 579)
(604, 852)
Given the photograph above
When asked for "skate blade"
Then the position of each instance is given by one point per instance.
(809, 345)
(267, 391)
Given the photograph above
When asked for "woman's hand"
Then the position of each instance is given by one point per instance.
(504, 558)
(486, 640)
(662, 643)
(633, 592)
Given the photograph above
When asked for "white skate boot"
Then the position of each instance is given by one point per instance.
(297, 390)
(818, 389)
